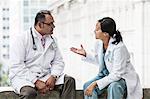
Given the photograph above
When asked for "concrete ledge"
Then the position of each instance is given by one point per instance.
(146, 93)
(55, 95)
(12, 95)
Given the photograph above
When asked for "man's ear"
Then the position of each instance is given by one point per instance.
(40, 25)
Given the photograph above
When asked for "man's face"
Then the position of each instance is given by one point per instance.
(48, 25)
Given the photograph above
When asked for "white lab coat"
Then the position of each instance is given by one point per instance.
(96, 57)
(117, 60)
(28, 65)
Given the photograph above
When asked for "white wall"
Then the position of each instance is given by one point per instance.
(146, 45)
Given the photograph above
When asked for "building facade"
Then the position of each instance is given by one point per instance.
(4, 31)
(4, 41)
(16, 16)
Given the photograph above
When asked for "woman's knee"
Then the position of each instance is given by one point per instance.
(116, 90)
(86, 85)
(113, 86)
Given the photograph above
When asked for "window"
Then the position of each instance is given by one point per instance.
(4, 18)
(60, 8)
(26, 3)
(72, 3)
(7, 9)
(4, 37)
(4, 46)
(4, 27)
(3, 9)
(7, 27)
(6, 56)
(26, 19)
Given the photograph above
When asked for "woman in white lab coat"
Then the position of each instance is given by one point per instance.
(117, 74)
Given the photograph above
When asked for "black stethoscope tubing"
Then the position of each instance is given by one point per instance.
(33, 41)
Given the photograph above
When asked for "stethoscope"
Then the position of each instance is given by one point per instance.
(53, 44)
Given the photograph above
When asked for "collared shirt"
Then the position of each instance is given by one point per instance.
(43, 39)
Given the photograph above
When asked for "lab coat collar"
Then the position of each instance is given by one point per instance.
(48, 38)
(111, 40)
(48, 43)
(36, 34)
(110, 47)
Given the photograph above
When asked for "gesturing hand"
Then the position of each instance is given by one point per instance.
(79, 51)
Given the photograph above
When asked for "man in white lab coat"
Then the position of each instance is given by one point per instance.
(36, 62)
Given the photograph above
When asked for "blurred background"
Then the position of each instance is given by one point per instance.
(75, 22)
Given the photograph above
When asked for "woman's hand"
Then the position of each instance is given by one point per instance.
(90, 89)
(80, 51)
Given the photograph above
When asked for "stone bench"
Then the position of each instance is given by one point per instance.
(55, 95)
(51, 95)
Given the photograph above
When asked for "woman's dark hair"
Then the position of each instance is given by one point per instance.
(40, 16)
(108, 25)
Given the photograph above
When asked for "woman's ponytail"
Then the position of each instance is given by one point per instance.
(117, 37)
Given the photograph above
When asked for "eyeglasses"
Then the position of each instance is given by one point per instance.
(49, 24)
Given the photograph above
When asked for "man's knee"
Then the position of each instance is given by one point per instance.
(68, 91)
(28, 92)
(70, 80)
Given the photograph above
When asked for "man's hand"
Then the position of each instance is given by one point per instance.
(41, 86)
(90, 89)
(50, 83)
(80, 51)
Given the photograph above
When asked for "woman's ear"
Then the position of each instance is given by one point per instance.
(106, 34)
